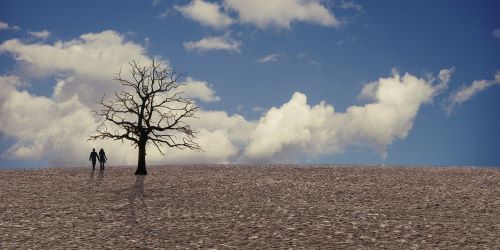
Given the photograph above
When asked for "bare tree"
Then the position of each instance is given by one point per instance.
(150, 111)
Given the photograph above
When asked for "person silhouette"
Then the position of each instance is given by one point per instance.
(94, 157)
(102, 158)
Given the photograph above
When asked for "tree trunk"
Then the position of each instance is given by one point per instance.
(141, 165)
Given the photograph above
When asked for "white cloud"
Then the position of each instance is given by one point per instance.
(31, 121)
(206, 13)
(94, 54)
(467, 92)
(86, 65)
(56, 128)
(291, 127)
(221, 136)
(269, 58)
(496, 33)
(261, 13)
(297, 128)
(217, 146)
(214, 43)
(57, 131)
(6, 26)
(198, 89)
(44, 34)
(281, 13)
(368, 92)
(236, 125)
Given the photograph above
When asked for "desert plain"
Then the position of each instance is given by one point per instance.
(251, 207)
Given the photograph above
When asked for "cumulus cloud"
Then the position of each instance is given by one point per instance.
(222, 137)
(57, 131)
(269, 58)
(84, 66)
(296, 128)
(261, 13)
(467, 92)
(6, 26)
(198, 89)
(30, 120)
(43, 34)
(281, 13)
(94, 54)
(235, 125)
(206, 13)
(214, 43)
(55, 128)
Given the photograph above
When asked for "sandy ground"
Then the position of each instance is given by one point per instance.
(228, 207)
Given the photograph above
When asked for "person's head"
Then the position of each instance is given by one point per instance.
(102, 150)
(93, 149)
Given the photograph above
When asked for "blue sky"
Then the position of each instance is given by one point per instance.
(260, 71)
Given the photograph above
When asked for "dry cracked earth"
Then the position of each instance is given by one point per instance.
(249, 207)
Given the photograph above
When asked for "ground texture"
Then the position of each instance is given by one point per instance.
(228, 207)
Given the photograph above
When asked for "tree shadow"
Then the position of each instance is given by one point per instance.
(137, 209)
(136, 194)
(134, 211)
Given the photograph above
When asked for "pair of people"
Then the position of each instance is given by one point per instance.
(101, 158)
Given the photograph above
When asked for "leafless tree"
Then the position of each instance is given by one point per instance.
(150, 111)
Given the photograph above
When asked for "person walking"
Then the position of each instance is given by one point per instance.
(102, 158)
(94, 157)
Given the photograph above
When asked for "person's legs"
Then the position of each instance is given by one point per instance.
(93, 165)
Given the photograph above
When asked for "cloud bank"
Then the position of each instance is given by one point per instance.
(298, 128)
(55, 128)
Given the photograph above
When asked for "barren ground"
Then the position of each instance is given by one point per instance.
(227, 207)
